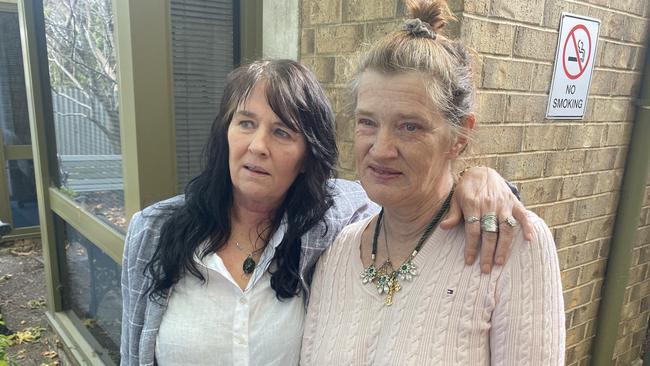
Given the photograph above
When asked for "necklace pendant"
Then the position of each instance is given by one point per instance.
(369, 274)
(383, 284)
(407, 270)
(392, 289)
(249, 265)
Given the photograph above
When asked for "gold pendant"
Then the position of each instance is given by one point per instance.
(393, 287)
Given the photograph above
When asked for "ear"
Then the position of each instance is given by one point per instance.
(461, 140)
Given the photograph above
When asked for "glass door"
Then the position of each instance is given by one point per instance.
(18, 203)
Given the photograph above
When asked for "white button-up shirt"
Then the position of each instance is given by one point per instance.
(216, 323)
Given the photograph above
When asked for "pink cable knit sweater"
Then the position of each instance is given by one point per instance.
(450, 314)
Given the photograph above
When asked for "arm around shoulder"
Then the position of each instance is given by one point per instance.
(351, 203)
(528, 319)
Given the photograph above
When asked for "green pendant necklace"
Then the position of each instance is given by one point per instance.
(386, 278)
(249, 263)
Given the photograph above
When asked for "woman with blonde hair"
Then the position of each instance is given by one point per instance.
(393, 289)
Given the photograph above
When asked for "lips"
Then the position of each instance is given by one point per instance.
(256, 169)
(383, 171)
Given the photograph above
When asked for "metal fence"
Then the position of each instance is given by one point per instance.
(76, 133)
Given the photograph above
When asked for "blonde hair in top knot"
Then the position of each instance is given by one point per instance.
(444, 64)
(436, 13)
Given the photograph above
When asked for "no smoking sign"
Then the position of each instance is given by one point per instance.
(574, 62)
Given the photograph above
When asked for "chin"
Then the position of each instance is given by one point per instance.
(382, 196)
(253, 191)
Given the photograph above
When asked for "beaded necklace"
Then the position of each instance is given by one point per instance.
(386, 278)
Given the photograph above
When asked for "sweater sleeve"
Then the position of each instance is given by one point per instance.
(528, 318)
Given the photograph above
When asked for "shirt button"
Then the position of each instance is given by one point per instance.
(242, 300)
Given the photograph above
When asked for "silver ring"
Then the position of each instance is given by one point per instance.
(489, 223)
(472, 219)
(511, 221)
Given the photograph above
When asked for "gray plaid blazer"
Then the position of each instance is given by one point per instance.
(141, 317)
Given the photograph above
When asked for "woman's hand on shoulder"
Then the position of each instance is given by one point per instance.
(480, 191)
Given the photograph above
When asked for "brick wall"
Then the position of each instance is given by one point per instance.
(569, 172)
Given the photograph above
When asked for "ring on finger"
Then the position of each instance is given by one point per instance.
(472, 219)
(511, 221)
(489, 223)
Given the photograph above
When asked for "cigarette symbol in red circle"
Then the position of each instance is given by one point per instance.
(580, 55)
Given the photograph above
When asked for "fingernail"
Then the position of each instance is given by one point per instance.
(469, 259)
(500, 260)
(485, 268)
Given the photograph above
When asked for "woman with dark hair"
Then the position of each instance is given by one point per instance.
(214, 277)
(394, 288)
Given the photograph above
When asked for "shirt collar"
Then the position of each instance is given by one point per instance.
(267, 254)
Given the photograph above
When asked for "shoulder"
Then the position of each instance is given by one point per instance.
(542, 237)
(538, 254)
(355, 229)
(351, 204)
(152, 217)
(349, 199)
(163, 208)
(144, 227)
(347, 238)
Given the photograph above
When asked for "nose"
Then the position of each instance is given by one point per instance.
(259, 143)
(383, 147)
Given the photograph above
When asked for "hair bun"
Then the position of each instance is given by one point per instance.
(418, 28)
(435, 13)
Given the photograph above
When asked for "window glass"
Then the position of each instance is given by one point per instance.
(92, 290)
(14, 120)
(83, 76)
(202, 48)
(22, 193)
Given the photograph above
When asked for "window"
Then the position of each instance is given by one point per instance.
(18, 203)
(202, 49)
(84, 88)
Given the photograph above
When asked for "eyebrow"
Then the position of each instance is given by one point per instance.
(250, 114)
(399, 115)
(411, 116)
(246, 113)
(361, 111)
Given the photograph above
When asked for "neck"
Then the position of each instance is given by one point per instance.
(251, 214)
(406, 224)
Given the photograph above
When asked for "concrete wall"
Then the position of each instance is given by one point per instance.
(569, 172)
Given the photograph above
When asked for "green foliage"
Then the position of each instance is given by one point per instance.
(27, 335)
(5, 342)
